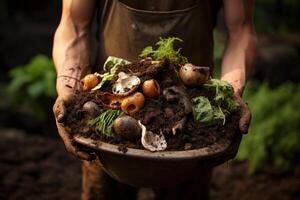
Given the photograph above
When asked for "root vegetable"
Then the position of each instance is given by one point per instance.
(89, 82)
(151, 88)
(133, 103)
(91, 108)
(127, 127)
(192, 75)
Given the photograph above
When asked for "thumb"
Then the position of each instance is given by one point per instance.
(59, 110)
(245, 118)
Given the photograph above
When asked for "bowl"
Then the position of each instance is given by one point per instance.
(142, 168)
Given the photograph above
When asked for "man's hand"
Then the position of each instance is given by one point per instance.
(240, 51)
(238, 86)
(244, 113)
(65, 96)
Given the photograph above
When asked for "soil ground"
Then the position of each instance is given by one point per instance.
(38, 168)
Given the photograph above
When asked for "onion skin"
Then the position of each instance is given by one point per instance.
(89, 82)
(151, 88)
(133, 103)
(127, 127)
(109, 100)
(194, 76)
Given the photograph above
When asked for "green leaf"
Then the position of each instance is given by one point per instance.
(165, 49)
(209, 113)
(206, 114)
(223, 94)
(147, 52)
(110, 67)
(104, 122)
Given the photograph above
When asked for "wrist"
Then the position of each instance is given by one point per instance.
(237, 81)
(66, 85)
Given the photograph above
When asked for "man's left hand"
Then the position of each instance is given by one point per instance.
(244, 113)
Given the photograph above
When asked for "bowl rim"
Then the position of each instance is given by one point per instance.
(209, 152)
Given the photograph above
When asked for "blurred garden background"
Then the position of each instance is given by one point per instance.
(34, 165)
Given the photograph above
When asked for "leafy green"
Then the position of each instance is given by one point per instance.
(104, 122)
(32, 87)
(273, 136)
(205, 113)
(165, 49)
(110, 67)
(223, 94)
(209, 113)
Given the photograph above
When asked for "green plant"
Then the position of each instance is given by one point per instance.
(110, 67)
(209, 113)
(32, 87)
(165, 49)
(206, 114)
(104, 122)
(274, 134)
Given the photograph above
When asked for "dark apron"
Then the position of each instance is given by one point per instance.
(126, 27)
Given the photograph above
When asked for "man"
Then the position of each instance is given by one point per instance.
(125, 28)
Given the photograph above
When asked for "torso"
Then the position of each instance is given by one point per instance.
(127, 26)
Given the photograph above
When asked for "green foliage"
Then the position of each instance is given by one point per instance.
(206, 114)
(273, 136)
(165, 49)
(223, 94)
(110, 67)
(209, 113)
(32, 86)
(104, 122)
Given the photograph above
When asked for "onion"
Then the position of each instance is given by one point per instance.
(151, 88)
(192, 75)
(91, 108)
(127, 127)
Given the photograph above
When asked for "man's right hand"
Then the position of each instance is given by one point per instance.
(66, 95)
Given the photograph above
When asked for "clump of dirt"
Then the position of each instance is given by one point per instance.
(171, 109)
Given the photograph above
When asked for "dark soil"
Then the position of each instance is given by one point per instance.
(158, 114)
(38, 168)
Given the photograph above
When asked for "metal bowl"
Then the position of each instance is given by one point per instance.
(143, 168)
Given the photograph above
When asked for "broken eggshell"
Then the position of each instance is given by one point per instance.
(152, 141)
(126, 84)
(127, 127)
(193, 76)
(133, 103)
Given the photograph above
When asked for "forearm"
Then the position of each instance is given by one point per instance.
(71, 55)
(72, 44)
(239, 59)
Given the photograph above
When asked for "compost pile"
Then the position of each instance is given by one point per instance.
(159, 103)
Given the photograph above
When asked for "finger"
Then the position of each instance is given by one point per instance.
(85, 156)
(71, 148)
(62, 114)
(59, 110)
(245, 118)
